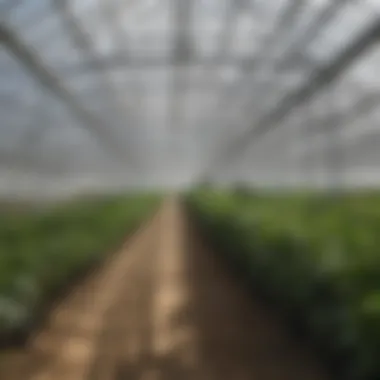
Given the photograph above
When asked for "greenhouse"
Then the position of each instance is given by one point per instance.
(190, 189)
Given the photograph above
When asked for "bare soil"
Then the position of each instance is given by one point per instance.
(163, 308)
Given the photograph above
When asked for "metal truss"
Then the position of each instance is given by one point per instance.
(249, 96)
(93, 123)
(316, 83)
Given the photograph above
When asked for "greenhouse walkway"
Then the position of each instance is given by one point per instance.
(162, 308)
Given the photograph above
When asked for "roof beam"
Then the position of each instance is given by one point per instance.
(84, 42)
(318, 81)
(267, 46)
(294, 57)
(51, 82)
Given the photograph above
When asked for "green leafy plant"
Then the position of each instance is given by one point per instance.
(41, 251)
(318, 258)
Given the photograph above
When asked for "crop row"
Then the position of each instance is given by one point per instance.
(41, 251)
(317, 259)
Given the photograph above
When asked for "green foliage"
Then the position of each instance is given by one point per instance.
(41, 251)
(318, 259)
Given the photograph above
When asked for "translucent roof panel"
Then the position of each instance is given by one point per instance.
(162, 88)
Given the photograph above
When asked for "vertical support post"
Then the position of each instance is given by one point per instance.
(182, 52)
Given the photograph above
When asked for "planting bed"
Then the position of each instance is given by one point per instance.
(42, 251)
(316, 259)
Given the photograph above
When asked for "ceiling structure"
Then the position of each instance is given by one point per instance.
(163, 92)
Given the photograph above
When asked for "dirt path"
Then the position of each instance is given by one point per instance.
(163, 308)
